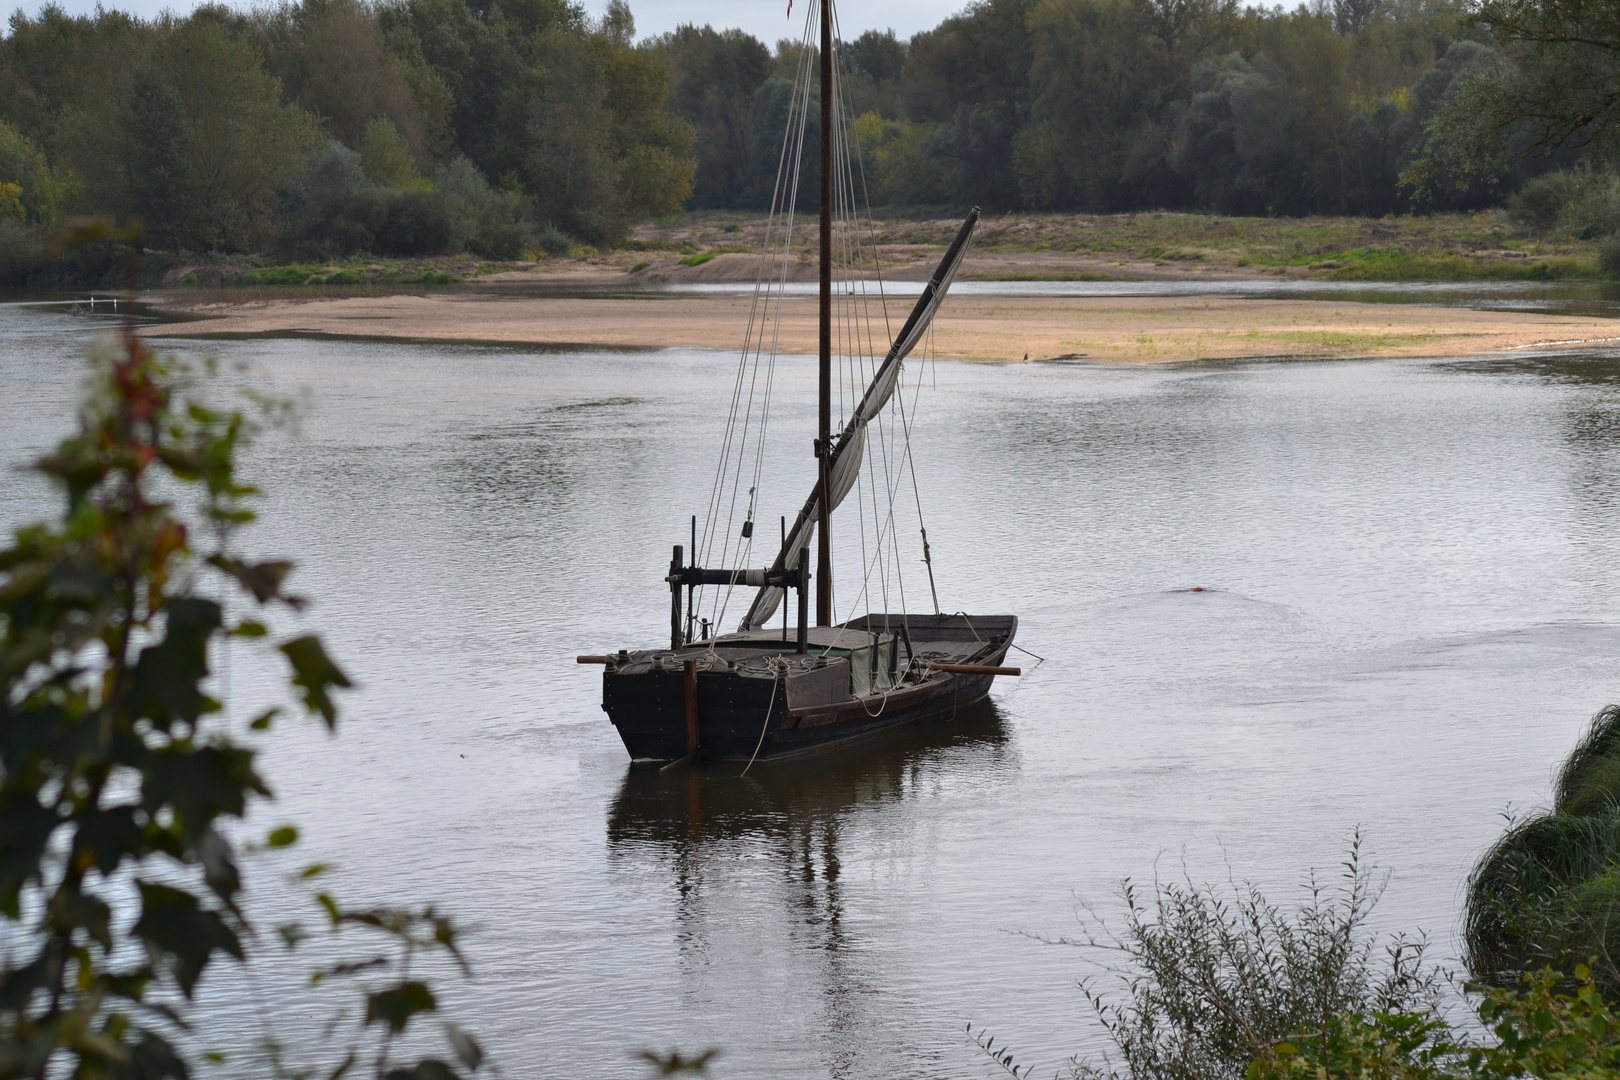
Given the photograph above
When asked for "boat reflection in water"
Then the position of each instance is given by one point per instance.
(682, 810)
(797, 898)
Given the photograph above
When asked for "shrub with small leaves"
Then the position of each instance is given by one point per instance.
(1543, 201)
(1609, 256)
(1213, 978)
(1536, 1029)
(1366, 1046)
(554, 242)
(1543, 1030)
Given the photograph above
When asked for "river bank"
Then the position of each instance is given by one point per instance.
(1129, 330)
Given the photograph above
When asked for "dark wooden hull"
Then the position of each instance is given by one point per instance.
(742, 715)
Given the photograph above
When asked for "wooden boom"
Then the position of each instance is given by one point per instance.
(970, 669)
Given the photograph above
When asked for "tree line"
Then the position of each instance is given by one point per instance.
(321, 128)
(1110, 105)
(334, 126)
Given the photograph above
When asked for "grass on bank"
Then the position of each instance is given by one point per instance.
(1483, 246)
(391, 272)
(1486, 245)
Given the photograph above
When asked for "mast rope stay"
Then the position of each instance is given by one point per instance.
(866, 383)
(765, 316)
(848, 451)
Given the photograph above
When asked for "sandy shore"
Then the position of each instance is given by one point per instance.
(1107, 330)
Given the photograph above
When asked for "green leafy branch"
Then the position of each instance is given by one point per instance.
(119, 776)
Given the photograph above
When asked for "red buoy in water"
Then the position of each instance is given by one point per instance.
(1198, 588)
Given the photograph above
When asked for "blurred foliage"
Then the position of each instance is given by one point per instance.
(1534, 1029)
(123, 781)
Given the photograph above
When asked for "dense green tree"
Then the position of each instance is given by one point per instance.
(774, 110)
(873, 65)
(653, 148)
(334, 61)
(485, 61)
(877, 54)
(600, 149)
(1347, 106)
(339, 206)
(713, 77)
(1405, 39)
(901, 162)
(1548, 89)
(1309, 120)
(971, 75)
(1314, 156)
(62, 79)
(386, 156)
(35, 192)
(1124, 104)
(207, 143)
(1102, 76)
(56, 68)
(1440, 184)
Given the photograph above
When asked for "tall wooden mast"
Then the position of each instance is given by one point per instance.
(824, 429)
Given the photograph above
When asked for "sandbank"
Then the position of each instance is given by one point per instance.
(1133, 330)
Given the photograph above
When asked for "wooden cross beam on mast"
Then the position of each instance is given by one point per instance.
(824, 429)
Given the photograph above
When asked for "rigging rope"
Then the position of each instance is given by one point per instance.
(778, 665)
(782, 197)
(740, 479)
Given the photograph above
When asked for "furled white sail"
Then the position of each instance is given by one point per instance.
(845, 465)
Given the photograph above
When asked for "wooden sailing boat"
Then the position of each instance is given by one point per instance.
(761, 692)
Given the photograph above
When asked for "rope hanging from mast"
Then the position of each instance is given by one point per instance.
(850, 279)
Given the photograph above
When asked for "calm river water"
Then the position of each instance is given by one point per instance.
(1412, 604)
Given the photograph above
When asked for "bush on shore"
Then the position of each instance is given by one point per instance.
(1547, 894)
(339, 207)
(1221, 983)
(1211, 979)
